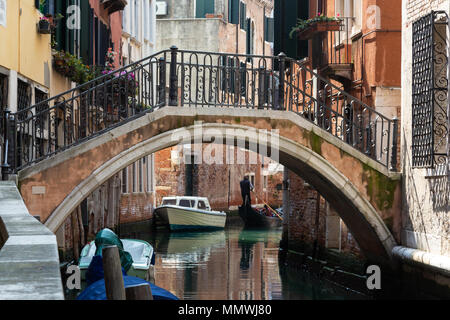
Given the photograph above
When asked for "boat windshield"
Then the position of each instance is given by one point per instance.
(169, 202)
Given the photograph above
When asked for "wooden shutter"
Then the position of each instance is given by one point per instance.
(268, 29)
(203, 7)
(233, 11)
(242, 15)
(86, 31)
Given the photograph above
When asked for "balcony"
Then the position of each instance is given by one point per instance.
(114, 5)
(331, 52)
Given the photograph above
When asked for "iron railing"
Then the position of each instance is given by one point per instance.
(187, 78)
(334, 47)
(430, 114)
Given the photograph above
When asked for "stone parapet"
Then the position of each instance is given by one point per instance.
(29, 262)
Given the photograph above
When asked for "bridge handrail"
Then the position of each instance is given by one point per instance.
(196, 78)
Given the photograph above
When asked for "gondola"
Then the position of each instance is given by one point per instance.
(254, 219)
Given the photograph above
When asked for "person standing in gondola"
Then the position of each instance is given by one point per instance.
(246, 187)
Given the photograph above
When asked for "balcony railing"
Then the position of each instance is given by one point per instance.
(200, 79)
(332, 50)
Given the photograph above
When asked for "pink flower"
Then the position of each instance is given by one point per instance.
(338, 14)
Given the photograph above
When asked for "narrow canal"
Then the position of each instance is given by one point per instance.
(231, 264)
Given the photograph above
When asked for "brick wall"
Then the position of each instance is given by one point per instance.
(136, 207)
(417, 8)
(302, 230)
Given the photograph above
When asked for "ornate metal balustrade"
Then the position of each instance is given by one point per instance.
(186, 78)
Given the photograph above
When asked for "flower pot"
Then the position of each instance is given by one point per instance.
(318, 27)
(44, 27)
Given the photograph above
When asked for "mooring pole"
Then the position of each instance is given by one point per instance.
(139, 292)
(115, 288)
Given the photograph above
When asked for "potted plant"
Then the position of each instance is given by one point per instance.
(306, 29)
(44, 26)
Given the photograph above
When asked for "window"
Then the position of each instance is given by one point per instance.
(141, 176)
(125, 19)
(3, 92)
(41, 120)
(149, 173)
(233, 11)
(430, 120)
(136, 32)
(320, 6)
(242, 15)
(3, 13)
(204, 7)
(125, 180)
(265, 182)
(268, 29)
(152, 22)
(47, 8)
(146, 19)
(250, 36)
(347, 10)
(201, 205)
(171, 202)
(134, 177)
(185, 203)
(23, 97)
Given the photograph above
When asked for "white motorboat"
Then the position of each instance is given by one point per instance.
(189, 213)
(140, 250)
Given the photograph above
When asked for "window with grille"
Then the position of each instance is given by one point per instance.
(430, 91)
(40, 120)
(23, 97)
(41, 106)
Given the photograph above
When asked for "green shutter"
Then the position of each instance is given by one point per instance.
(268, 29)
(242, 14)
(85, 41)
(286, 14)
(60, 7)
(233, 11)
(203, 7)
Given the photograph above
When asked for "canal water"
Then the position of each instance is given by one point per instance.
(231, 264)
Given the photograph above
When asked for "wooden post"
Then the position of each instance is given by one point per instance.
(115, 288)
(139, 292)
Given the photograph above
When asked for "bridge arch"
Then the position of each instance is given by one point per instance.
(360, 215)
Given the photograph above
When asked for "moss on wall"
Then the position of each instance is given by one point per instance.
(380, 189)
(314, 141)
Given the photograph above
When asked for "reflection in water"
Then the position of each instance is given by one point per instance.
(231, 264)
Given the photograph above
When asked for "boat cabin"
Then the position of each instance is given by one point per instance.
(201, 203)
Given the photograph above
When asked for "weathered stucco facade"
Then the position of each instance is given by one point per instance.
(426, 201)
(213, 32)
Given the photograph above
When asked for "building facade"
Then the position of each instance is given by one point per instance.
(362, 57)
(231, 26)
(425, 127)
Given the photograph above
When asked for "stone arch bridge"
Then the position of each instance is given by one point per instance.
(63, 148)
